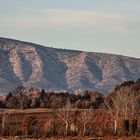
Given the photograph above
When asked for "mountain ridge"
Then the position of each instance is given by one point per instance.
(63, 49)
(29, 64)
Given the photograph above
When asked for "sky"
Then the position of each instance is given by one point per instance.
(109, 26)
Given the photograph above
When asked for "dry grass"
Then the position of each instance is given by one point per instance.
(72, 138)
(99, 120)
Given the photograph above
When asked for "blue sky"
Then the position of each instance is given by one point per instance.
(111, 26)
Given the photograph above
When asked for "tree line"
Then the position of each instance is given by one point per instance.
(22, 98)
(75, 114)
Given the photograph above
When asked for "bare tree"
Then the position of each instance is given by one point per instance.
(125, 93)
(133, 105)
(113, 107)
(134, 111)
(64, 114)
(5, 115)
(53, 123)
(129, 105)
(85, 118)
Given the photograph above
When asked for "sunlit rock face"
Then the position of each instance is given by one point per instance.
(32, 65)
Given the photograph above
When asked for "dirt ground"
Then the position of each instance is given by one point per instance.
(72, 138)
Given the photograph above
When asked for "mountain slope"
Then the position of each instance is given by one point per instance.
(30, 64)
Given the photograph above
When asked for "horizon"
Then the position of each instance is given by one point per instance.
(69, 49)
(108, 27)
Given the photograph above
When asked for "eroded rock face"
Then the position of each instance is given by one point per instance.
(33, 65)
